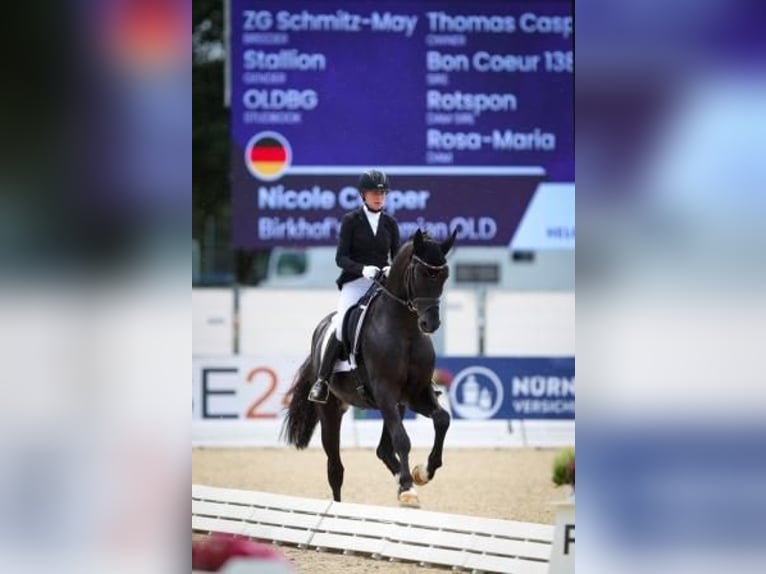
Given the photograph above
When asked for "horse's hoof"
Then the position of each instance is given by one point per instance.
(409, 498)
(420, 475)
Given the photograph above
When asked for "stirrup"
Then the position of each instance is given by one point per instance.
(319, 392)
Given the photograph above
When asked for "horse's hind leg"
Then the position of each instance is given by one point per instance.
(428, 405)
(385, 449)
(331, 415)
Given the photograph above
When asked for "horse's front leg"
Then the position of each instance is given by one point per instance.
(428, 405)
(331, 415)
(401, 443)
(385, 450)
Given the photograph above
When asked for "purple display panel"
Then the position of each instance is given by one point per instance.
(306, 210)
(331, 88)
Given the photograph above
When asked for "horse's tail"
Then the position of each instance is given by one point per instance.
(302, 416)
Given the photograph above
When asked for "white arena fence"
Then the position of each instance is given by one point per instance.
(239, 398)
(463, 543)
(213, 326)
(240, 402)
(517, 323)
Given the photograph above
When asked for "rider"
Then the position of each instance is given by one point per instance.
(367, 238)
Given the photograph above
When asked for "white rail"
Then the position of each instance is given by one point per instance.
(428, 538)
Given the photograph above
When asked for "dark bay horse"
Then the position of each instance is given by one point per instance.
(398, 359)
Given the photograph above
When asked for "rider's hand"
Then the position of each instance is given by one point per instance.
(370, 271)
(386, 270)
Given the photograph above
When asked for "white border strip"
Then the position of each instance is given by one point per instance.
(415, 170)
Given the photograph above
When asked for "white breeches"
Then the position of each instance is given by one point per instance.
(350, 293)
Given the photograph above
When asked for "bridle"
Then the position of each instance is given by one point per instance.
(418, 305)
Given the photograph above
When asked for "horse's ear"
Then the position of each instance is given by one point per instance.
(417, 241)
(447, 243)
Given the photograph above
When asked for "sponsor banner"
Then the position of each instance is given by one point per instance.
(480, 388)
(241, 387)
(501, 388)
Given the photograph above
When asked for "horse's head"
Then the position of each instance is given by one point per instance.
(424, 276)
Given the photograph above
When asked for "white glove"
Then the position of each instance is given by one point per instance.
(386, 269)
(370, 271)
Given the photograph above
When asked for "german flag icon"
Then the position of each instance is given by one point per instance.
(268, 155)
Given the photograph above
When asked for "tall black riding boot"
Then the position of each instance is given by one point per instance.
(320, 392)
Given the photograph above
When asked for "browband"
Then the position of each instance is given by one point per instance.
(435, 267)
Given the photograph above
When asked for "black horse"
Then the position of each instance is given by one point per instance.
(397, 357)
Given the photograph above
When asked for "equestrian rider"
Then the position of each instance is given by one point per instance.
(367, 242)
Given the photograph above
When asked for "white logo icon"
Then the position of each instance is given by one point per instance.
(471, 393)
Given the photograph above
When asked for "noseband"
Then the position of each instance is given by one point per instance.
(418, 305)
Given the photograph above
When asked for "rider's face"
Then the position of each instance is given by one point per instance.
(374, 198)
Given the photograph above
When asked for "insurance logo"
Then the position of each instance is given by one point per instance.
(476, 393)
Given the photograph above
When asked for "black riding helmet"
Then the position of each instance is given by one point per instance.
(373, 179)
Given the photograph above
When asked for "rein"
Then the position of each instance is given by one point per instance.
(414, 303)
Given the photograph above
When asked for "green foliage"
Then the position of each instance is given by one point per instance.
(564, 467)
(207, 26)
(211, 186)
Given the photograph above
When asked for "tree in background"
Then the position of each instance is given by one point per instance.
(211, 203)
